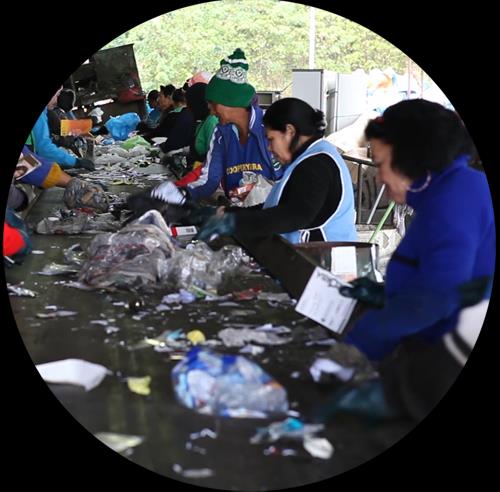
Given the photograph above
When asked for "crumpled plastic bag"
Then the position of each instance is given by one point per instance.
(132, 142)
(120, 126)
(258, 193)
(77, 222)
(74, 255)
(144, 254)
(17, 290)
(106, 159)
(234, 337)
(79, 193)
(227, 386)
(57, 269)
(112, 149)
(134, 256)
(138, 151)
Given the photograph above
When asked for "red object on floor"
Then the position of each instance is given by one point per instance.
(13, 240)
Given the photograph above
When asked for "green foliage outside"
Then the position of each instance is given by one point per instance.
(274, 36)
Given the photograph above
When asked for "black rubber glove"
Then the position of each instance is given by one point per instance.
(200, 215)
(474, 291)
(365, 290)
(166, 198)
(85, 164)
(141, 202)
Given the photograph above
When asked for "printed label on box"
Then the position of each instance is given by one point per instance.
(322, 302)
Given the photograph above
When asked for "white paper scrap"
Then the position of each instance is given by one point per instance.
(73, 371)
(330, 367)
(318, 447)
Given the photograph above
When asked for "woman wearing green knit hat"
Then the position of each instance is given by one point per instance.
(229, 86)
(238, 150)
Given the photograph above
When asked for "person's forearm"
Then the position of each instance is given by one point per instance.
(274, 220)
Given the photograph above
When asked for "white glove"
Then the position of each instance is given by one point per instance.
(168, 193)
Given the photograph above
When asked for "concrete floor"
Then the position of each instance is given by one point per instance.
(159, 418)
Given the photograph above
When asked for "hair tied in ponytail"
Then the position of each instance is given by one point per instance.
(320, 122)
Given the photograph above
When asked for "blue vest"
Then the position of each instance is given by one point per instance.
(340, 225)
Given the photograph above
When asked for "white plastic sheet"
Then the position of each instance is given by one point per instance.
(73, 371)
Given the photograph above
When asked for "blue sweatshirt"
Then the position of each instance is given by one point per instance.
(45, 147)
(450, 241)
(227, 160)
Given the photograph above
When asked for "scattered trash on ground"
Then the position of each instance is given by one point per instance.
(203, 433)
(246, 295)
(119, 442)
(227, 385)
(76, 222)
(139, 385)
(291, 428)
(196, 337)
(196, 449)
(327, 366)
(57, 269)
(252, 349)
(232, 337)
(75, 255)
(17, 290)
(274, 451)
(194, 473)
(56, 314)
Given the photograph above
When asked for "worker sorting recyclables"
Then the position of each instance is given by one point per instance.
(313, 201)
(422, 324)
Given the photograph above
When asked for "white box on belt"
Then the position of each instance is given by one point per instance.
(183, 231)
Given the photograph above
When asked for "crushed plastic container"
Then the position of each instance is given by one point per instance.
(227, 386)
(199, 266)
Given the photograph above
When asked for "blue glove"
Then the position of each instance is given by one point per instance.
(219, 225)
(365, 290)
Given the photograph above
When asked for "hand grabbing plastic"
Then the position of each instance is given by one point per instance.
(365, 290)
(219, 225)
(85, 164)
(167, 192)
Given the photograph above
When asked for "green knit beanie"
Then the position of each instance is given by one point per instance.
(229, 85)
